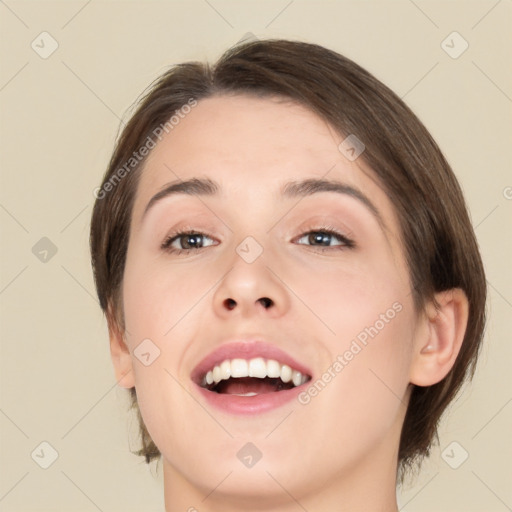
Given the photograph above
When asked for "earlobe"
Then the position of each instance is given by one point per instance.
(440, 339)
(120, 354)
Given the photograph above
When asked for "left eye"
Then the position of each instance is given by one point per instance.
(323, 238)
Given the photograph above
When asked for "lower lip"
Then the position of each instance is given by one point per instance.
(256, 404)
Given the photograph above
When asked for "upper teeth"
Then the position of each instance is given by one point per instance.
(257, 367)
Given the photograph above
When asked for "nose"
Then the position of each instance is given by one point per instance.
(251, 290)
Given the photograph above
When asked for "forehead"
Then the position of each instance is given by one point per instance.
(252, 146)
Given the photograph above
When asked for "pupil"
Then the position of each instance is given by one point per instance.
(321, 238)
(192, 241)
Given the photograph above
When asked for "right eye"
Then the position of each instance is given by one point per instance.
(186, 241)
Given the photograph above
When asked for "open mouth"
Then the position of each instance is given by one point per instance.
(241, 377)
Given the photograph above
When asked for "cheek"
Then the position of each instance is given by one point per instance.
(362, 392)
(371, 317)
(161, 304)
(157, 304)
(156, 298)
(353, 298)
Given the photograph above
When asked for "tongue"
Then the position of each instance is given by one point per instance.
(249, 385)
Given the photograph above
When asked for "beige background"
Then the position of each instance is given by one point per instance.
(60, 116)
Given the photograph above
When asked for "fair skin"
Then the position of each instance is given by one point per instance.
(338, 452)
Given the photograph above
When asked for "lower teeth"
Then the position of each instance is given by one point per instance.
(277, 383)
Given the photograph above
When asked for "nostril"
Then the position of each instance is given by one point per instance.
(230, 303)
(266, 302)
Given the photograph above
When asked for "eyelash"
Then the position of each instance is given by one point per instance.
(346, 243)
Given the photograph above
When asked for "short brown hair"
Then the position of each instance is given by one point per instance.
(439, 241)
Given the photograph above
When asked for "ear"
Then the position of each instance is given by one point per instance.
(439, 338)
(119, 352)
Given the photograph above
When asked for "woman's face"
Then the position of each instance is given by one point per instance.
(309, 277)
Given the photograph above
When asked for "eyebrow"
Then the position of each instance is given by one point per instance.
(192, 187)
(313, 186)
(293, 189)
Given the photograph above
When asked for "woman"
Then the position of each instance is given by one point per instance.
(293, 288)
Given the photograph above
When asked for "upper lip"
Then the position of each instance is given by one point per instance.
(246, 349)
